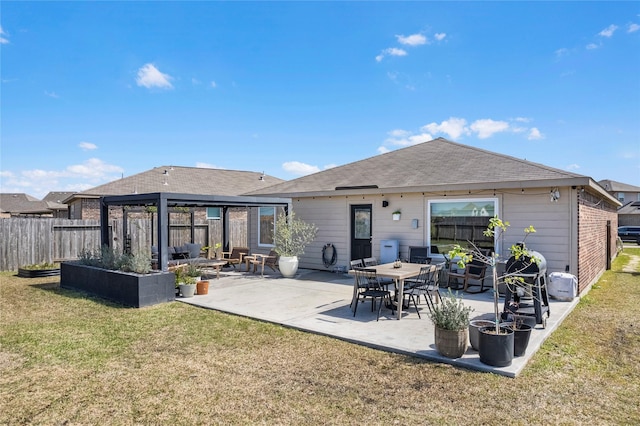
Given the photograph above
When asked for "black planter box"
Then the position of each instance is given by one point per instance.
(129, 289)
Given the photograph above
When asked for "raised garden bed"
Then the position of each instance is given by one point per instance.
(38, 273)
(126, 288)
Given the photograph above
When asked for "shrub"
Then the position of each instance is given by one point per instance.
(450, 313)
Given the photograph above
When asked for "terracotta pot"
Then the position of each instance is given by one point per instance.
(202, 288)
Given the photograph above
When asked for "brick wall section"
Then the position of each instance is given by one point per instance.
(593, 214)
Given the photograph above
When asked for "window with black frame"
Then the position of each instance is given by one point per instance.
(460, 222)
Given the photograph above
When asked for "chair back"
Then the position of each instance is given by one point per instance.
(435, 277)
(366, 279)
(425, 277)
(357, 263)
(273, 258)
(476, 269)
(370, 261)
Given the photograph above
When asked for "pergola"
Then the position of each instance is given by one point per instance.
(163, 201)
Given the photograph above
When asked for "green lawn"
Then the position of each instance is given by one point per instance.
(68, 359)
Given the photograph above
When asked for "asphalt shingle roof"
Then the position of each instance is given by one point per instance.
(187, 180)
(20, 203)
(439, 162)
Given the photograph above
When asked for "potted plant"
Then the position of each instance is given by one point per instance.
(495, 342)
(185, 283)
(291, 237)
(396, 215)
(451, 320)
(193, 271)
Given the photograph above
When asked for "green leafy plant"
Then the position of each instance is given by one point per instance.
(292, 235)
(108, 258)
(519, 251)
(41, 266)
(192, 271)
(451, 314)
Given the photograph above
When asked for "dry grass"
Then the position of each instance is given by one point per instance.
(67, 359)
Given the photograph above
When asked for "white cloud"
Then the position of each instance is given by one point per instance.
(486, 128)
(633, 28)
(522, 119)
(206, 166)
(383, 150)
(6, 173)
(51, 94)
(213, 84)
(3, 39)
(391, 51)
(299, 169)
(608, 32)
(195, 81)
(592, 46)
(561, 52)
(93, 168)
(78, 177)
(87, 146)
(572, 167)
(534, 134)
(149, 76)
(440, 36)
(454, 127)
(412, 40)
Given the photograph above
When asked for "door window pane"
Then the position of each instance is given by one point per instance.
(362, 225)
(213, 212)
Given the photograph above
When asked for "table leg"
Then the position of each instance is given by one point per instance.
(400, 297)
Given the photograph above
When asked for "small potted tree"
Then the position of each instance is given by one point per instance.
(292, 235)
(451, 320)
(496, 342)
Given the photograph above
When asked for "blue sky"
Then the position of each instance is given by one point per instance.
(92, 91)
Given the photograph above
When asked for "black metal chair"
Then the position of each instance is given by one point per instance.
(367, 286)
(423, 284)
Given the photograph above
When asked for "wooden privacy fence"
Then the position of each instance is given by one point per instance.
(26, 241)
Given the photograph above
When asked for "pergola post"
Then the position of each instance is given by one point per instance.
(163, 233)
(104, 222)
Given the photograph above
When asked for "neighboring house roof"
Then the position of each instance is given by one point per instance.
(54, 200)
(632, 207)
(613, 186)
(437, 165)
(187, 180)
(23, 204)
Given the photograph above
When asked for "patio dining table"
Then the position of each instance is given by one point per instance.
(406, 270)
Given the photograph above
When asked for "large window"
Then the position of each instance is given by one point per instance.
(266, 225)
(460, 222)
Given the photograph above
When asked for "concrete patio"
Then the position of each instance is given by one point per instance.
(318, 302)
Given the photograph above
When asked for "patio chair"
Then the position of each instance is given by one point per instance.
(473, 271)
(367, 286)
(234, 257)
(370, 261)
(270, 260)
(423, 285)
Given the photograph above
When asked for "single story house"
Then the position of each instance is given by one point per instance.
(445, 193)
(25, 205)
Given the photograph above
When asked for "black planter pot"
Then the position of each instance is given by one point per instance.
(521, 339)
(496, 349)
(38, 273)
(474, 331)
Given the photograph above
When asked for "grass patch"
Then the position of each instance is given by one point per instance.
(66, 358)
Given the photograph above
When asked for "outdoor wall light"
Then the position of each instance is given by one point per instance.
(554, 195)
(385, 203)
